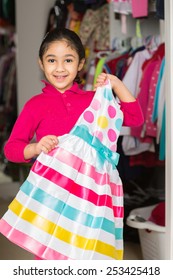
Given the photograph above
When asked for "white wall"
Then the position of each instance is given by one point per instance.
(31, 21)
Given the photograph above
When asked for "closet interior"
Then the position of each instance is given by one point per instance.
(8, 87)
(122, 38)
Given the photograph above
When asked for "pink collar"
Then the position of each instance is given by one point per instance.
(74, 89)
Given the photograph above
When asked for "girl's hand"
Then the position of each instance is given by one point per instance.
(46, 144)
(117, 86)
(101, 80)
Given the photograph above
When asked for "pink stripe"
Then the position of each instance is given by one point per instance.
(77, 190)
(85, 168)
(29, 244)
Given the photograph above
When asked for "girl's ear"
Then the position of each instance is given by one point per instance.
(81, 64)
(40, 64)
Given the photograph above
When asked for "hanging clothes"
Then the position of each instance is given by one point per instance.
(7, 11)
(57, 16)
(160, 9)
(94, 30)
(151, 126)
(139, 8)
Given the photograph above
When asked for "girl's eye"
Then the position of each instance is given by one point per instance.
(68, 60)
(51, 60)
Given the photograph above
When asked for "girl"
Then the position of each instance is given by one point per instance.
(79, 229)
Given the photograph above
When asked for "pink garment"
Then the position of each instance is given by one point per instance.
(151, 128)
(139, 8)
(47, 113)
(143, 97)
(36, 258)
(52, 112)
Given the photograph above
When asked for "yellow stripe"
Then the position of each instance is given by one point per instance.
(62, 234)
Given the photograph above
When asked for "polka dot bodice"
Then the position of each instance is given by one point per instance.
(103, 118)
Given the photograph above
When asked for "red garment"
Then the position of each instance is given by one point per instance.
(158, 54)
(158, 214)
(112, 64)
(54, 113)
(147, 159)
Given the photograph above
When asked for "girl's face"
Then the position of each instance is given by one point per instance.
(60, 65)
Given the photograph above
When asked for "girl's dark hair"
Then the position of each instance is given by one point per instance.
(70, 36)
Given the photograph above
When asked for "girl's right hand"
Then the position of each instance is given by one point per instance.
(46, 144)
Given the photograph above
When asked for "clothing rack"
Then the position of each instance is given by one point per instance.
(8, 95)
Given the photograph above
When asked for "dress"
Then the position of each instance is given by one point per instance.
(71, 204)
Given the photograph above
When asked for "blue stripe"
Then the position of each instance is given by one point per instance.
(103, 152)
(69, 212)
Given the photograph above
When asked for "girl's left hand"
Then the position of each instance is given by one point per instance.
(117, 86)
(101, 80)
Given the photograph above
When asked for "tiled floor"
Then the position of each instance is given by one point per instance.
(9, 251)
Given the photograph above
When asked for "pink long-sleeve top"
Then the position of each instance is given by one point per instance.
(54, 113)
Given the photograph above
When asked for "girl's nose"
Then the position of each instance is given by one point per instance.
(59, 67)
